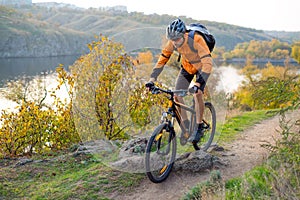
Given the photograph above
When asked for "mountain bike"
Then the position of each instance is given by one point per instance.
(162, 144)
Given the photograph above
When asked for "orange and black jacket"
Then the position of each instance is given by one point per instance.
(192, 61)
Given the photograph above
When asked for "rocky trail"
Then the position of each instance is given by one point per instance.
(240, 156)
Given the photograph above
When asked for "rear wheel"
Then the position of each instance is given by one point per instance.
(209, 119)
(160, 153)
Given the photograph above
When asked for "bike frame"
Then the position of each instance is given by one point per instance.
(173, 110)
(174, 107)
(191, 110)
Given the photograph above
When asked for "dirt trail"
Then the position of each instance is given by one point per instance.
(241, 155)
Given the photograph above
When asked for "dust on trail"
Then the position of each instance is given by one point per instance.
(242, 155)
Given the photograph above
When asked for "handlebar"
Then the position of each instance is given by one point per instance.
(182, 93)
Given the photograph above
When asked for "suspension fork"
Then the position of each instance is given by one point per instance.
(168, 128)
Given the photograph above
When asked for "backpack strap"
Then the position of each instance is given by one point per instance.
(191, 37)
(198, 61)
(179, 57)
(207, 55)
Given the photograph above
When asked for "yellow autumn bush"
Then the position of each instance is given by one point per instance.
(36, 127)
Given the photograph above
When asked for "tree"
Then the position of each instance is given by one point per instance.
(260, 49)
(109, 101)
(296, 51)
(270, 87)
(145, 57)
(98, 76)
(277, 87)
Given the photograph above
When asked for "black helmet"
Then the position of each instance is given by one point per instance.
(175, 30)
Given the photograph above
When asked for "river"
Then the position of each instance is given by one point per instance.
(13, 68)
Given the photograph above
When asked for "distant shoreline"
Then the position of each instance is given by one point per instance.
(261, 62)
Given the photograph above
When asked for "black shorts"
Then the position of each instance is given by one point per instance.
(184, 79)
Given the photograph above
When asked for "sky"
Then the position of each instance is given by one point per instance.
(278, 15)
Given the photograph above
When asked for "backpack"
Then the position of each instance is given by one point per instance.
(202, 30)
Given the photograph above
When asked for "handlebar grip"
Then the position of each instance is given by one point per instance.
(155, 90)
(149, 85)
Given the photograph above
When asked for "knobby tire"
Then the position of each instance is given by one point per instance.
(156, 148)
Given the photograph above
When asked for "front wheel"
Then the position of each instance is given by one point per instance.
(160, 153)
(209, 119)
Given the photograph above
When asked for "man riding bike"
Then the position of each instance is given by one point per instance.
(197, 64)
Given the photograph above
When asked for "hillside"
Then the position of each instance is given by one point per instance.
(24, 35)
(285, 36)
(36, 31)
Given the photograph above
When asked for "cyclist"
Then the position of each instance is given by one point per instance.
(197, 64)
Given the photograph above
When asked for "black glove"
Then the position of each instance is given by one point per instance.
(150, 85)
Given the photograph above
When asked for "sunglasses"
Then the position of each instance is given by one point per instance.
(177, 40)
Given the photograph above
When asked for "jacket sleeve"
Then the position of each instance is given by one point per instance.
(162, 60)
(204, 53)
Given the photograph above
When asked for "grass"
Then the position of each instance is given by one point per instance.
(68, 178)
(266, 182)
(230, 129)
(255, 184)
(210, 189)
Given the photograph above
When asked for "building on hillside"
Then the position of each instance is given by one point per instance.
(58, 5)
(116, 9)
(16, 2)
